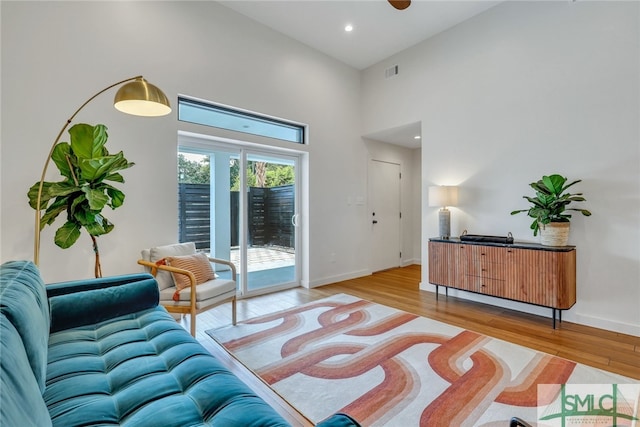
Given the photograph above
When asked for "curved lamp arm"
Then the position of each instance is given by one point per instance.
(130, 99)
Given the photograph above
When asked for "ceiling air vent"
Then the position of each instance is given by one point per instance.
(391, 71)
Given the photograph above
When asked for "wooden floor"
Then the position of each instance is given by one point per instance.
(398, 288)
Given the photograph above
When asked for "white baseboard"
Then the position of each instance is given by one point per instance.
(348, 276)
(406, 262)
(339, 278)
(571, 315)
(609, 325)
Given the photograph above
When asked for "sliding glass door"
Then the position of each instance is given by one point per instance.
(246, 212)
(271, 230)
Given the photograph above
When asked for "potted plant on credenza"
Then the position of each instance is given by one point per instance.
(549, 209)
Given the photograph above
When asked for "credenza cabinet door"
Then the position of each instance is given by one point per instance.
(445, 264)
(541, 277)
(528, 278)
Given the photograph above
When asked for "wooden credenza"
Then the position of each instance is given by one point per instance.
(524, 272)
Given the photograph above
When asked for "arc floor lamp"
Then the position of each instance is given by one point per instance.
(137, 97)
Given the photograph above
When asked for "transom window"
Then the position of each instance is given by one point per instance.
(229, 118)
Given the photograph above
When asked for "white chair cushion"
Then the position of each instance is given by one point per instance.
(164, 278)
(207, 293)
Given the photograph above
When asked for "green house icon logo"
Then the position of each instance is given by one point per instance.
(590, 405)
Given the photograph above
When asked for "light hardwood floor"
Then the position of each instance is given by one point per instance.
(398, 288)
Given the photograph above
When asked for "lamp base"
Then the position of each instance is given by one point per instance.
(444, 223)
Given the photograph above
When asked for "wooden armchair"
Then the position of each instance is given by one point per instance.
(195, 297)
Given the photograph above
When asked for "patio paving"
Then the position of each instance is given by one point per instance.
(265, 258)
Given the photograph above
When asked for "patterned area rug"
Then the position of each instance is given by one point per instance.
(387, 367)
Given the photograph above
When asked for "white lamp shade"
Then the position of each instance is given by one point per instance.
(443, 195)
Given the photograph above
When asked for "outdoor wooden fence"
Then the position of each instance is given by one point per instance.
(270, 211)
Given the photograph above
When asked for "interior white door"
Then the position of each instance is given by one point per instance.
(385, 213)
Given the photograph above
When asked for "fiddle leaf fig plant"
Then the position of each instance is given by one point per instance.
(551, 201)
(87, 168)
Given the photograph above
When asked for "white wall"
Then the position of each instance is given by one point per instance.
(57, 54)
(417, 206)
(522, 90)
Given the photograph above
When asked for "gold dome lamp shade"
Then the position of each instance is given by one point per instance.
(141, 98)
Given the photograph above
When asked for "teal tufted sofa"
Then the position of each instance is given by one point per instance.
(101, 352)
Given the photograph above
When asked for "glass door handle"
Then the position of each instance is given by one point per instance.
(294, 220)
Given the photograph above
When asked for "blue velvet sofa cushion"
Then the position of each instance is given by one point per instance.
(141, 367)
(338, 420)
(21, 401)
(85, 302)
(23, 303)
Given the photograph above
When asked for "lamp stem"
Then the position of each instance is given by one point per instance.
(36, 243)
(444, 222)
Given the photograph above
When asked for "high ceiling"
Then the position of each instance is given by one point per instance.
(379, 30)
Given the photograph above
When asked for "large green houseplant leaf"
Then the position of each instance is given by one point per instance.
(85, 164)
(551, 201)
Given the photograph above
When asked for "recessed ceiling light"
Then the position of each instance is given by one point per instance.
(348, 28)
(417, 137)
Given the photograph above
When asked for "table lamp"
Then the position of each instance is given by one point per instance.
(443, 196)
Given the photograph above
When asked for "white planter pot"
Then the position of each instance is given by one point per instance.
(554, 234)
